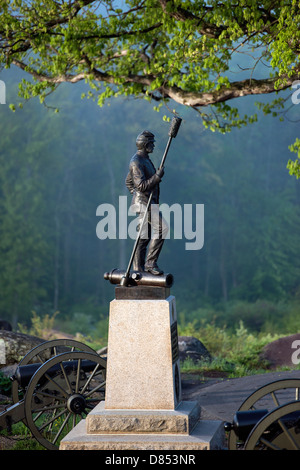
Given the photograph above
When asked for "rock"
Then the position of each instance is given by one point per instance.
(190, 347)
(5, 325)
(51, 334)
(282, 352)
(4, 399)
(16, 345)
(9, 370)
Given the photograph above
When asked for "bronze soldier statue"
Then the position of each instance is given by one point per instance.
(142, 180)
(143, 183)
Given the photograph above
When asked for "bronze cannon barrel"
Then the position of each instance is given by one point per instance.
(24, 373)
(244, 421)
(140, 278)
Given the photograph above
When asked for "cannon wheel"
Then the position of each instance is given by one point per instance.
(266, 392)
(287, 436)
(42, 353)
(54, 404)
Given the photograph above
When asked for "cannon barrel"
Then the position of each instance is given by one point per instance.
(140, 278)
(23, 374)
(244, 421)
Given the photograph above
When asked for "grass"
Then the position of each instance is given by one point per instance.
(22, 438)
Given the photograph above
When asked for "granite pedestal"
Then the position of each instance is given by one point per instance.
(143, 407)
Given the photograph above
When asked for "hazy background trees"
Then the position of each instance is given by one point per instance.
(56, 168)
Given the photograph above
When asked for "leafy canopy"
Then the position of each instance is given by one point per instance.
(161, 50)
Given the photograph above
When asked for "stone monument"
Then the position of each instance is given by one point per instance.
(143, 407)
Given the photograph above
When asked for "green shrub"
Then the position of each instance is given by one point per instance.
(260, 316)
(40, 325)
(237, 353)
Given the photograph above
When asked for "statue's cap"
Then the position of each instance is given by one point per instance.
(143, 138)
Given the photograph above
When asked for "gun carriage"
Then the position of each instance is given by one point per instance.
(269, 419)
(54, 386)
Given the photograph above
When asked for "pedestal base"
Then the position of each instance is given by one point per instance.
(207, 435)
(182, 420)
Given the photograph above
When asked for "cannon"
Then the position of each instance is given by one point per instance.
(55, 386)
(137, 278)
(269, 419)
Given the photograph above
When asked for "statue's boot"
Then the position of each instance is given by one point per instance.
(154, 270)
(154, 250)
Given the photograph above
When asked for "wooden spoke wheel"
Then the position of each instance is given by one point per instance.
(278, 430)
(42, 353)
(62, 392)
(269, 397)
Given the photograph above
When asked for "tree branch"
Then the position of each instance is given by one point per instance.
(46, 78)
(193, 99)
(182, 14)
(236, 90)
(211, 30)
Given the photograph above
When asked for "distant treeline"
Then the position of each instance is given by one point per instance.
(56, 168)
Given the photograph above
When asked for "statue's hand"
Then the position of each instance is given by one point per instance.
(160, 172)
